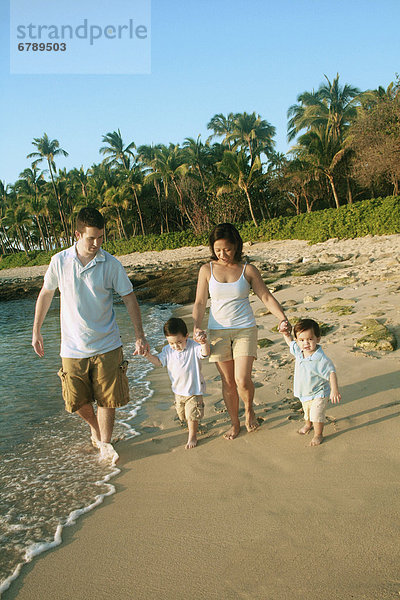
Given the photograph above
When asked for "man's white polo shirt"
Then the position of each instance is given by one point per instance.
(88, 324)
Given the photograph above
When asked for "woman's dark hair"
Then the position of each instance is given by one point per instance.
(89, 217)
(304, 325)
(174, 326)
(226, 231)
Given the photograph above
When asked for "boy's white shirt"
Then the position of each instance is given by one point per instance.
(184, 368)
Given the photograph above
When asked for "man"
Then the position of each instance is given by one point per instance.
(93, 368)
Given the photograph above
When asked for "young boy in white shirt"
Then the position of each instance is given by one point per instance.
(315, 378)
(182, 357)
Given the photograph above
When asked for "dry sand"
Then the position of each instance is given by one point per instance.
(264, 516)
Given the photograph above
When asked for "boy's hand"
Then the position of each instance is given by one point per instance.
(335, 396)
(284, 327)
(200, 336)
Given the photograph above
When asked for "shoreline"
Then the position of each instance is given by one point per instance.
(247, 518)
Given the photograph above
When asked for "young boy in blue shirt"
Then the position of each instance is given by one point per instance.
(315, 378)
(182, 357)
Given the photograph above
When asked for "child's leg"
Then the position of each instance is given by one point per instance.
(193, 427)
(318, 410)
(194, 410)
(308, 425)
(318, 437)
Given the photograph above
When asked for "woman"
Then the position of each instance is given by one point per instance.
(232, 327)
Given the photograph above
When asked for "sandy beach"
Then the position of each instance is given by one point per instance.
(264, 516)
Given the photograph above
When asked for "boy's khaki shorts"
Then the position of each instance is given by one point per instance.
(100, 378)
(189, 408)
(228, 344)
(315, 409)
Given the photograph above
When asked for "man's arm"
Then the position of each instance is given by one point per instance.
(133, 309)
(42, 306)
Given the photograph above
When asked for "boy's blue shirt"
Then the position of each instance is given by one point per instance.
(311, 373)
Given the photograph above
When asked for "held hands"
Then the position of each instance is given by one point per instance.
(200, 336)
(142, 347)
(285, 327)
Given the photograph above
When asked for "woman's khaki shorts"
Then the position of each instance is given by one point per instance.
(189, 408)
(101, 378)
(315, 409)
(228, 344)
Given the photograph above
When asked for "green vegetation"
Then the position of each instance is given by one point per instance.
(346, 148)
(376, 337)
(380, 216)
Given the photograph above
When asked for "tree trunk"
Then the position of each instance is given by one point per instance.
(333, 190)
(138, 209)
(246, 191)
(60, 208)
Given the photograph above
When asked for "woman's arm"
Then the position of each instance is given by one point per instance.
(200, 303)
(261, 290)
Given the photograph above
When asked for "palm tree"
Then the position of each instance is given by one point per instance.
(236, 174)
(47, 150)
(29, 184)
(253, 134)
(332, 107)
(326, 115)
(146, 155)
(115, 152)
(221, 126)
(196, 155)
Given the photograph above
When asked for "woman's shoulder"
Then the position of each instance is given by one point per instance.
(251, 270)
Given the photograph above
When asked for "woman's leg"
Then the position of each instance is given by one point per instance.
(242, 367)
(230, 396)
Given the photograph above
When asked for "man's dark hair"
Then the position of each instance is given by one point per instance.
(226, 231)
(89, 217)
(174, 326)
(304, 325)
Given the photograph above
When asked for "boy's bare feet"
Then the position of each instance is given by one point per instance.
(232, 433)
(191, 443)
(317, 440)
(305, 429)
(251, 421)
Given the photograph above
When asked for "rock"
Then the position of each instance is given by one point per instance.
(329, 258)
(377, 337)
(332, 288)
(307, 299)
(264, 343)
(261, 312)
(340, 306)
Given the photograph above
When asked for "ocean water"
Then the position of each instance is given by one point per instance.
(49, 472)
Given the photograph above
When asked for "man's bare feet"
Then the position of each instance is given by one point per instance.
(305, 429)
(251, 422)
(232, 433)
(191, 443)
(317, 440)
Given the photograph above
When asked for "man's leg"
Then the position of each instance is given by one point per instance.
(87, 413)
(105, 419)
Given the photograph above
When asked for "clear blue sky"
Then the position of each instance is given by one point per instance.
(208, 57)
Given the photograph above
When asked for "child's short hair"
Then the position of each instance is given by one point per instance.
(174, 326)
(304, 325)
(89, 217)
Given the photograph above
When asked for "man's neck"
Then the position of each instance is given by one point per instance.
(85, 259)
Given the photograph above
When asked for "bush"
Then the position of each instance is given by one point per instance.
(379, 216)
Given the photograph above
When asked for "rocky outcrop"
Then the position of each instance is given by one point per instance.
(376, 337)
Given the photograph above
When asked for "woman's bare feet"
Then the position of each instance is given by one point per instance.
(251, 421)
(233, 432)
(191, 443)
(305, 429)
(317, 440)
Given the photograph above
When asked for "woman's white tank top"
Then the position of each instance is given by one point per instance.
(230, 306)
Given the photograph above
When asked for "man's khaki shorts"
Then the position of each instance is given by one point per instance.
(101, 378)
(315, 409)
(189, 408)
(228, 344)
